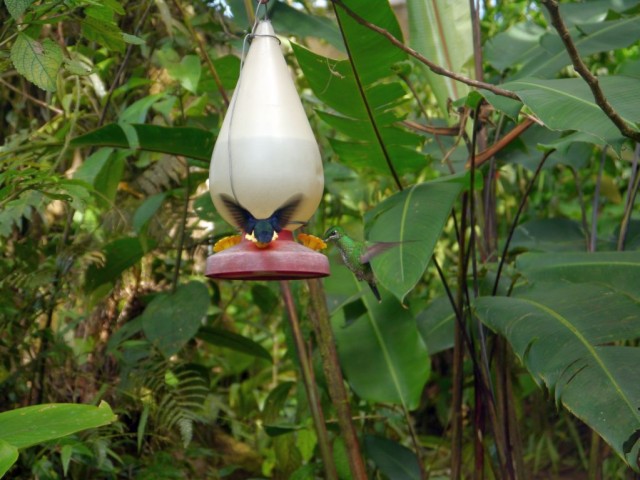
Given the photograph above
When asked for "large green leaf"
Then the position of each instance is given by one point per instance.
(226, 339)
(187, 72)
(592, 11)
(549, 235)
(186, 141)
(436, 325)
(8, 456)
(618, 270)
(382, 353)
(37, 61)
(568, 104)
(513, 46)
(395, 461)
(17, 7)
(293, 21)
(441, 31)
(550, 55)
(172, 319)
(28, 426)
(288, 21)
(415, 217)
(147, 210)
(564, 335)
(363, 93)
(120, 255)
(98, 27)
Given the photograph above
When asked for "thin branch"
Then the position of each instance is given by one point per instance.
(320, 322)
(421, 107)
(634, 183)
(311, 387)
(183, 228)
(356, 75)
(583, 71)
(514, 224)
(421, 58)
(486, 155)
(203, 52)
(596, 202)
(123, 65)
(483, 156)
(32, 98)
(447, 131)
(583, 210)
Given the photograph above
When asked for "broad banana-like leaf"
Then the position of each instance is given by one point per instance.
(414, 218)
(565, 335)
(187, 141)
(550, 56)
(441, 31)
(568, 104)
(364, 93)
(382, 352)
(618, 270)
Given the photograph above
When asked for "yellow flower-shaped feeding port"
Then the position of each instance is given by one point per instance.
(312, 242)
(227, 242)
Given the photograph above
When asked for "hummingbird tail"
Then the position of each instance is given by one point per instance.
(375, 291)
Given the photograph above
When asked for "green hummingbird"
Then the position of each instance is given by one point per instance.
(357, 255)
(262, 231)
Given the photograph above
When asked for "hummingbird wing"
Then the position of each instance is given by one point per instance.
(376, 249)
(282, 216)
(243, 218)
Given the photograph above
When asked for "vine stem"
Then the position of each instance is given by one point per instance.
(123, 65)
(582, 69)
(309, 384)
(183, 227)
(319, 316)
(632, 191)
(514, 224)
(203, 52)
(593, 239)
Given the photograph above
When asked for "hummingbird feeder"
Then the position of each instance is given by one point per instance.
(266, 174)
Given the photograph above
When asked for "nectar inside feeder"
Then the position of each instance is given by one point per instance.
(266, 173)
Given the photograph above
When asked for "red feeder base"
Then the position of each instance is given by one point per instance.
(283, 259)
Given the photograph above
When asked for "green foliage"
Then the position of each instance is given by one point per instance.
(447, 40)
(568, 104)
(17, 7)
(109, 116)
(23, 427)
(415, 218)
(383, 354)
(364, 93)
(394, 460)
(119, 255)
(190, 142)
(171, 320)
(38, 61)
(561, 334)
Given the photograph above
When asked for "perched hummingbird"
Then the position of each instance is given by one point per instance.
(357, 255)
(262, 231)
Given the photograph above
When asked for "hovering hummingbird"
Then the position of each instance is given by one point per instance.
(357, 255)
(262, 231)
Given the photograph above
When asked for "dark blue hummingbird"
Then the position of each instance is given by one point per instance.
(262, 231)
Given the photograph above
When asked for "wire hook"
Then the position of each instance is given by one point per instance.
(266, 11)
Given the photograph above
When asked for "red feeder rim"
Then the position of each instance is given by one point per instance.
(283, 259)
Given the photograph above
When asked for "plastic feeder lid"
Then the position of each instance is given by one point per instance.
(283, 259)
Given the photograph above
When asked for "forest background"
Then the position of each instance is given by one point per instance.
(500, 138)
